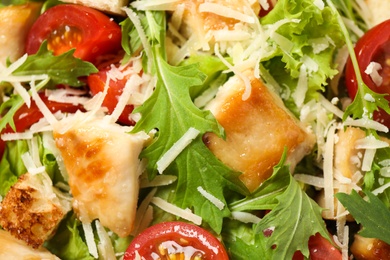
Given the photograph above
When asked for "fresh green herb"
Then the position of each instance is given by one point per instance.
(11, 166)
(360, 107)
(293, 219)
(372, 214)
(67, 243)
(171, 111)
(306, 25)
(62, 69)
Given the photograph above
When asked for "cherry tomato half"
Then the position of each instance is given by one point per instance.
(25, 117)
(264, 12)
(374, 46)
(69, 26)
(171, 239)
(96, 83)
(320, 249)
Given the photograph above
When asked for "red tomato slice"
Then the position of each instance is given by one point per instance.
(320, 249)
(68, 26)
(96, 83)
(264, 12)
(25, 117)
(172, 239)
(374, 46)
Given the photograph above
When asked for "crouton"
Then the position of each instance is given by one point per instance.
(31, 211)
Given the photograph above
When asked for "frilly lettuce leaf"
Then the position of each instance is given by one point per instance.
(307, 23)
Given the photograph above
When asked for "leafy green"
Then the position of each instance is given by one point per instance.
(67, 243)
(294, 216)
(211, 66)
(243, 243)
(285, 65)
(11, 166)
(374, 179)
(372, 214)
(360, 106)
(171, 111)
(62, 69)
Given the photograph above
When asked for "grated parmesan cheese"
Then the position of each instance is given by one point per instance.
(105, 246)
(182, 213)
(222, 10)
(373, 71)
(89, 239)
(245, 217)
(328, 172)
(142, 35)
(302, 86)
(167, 158)
(210, 197)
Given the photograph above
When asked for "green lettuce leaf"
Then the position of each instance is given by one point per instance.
(11, 166)
(62, 69)
(67, 243)
(284, 65)
(372, 214)
(293, 218)
(243, 243)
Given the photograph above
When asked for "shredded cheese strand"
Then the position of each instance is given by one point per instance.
(182, 213)
(176, 149)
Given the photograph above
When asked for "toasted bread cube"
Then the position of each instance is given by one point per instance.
(31, 211)
(257, 131)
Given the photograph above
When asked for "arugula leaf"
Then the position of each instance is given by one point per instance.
(197, 164)
(172, 112)
(62, 69)
(243, 243)
(293, 221)
(372, 214)
(67, 243)
(360, 106)
(294, 216)
(265, 197)
(11, 166)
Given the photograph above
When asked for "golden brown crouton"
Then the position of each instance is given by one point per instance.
(31, 211)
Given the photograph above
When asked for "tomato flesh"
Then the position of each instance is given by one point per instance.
(68, 26)
(96, 83)
(25, 117)
(175, 239)
(374, 46)
(320, 249)
(264, 12)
